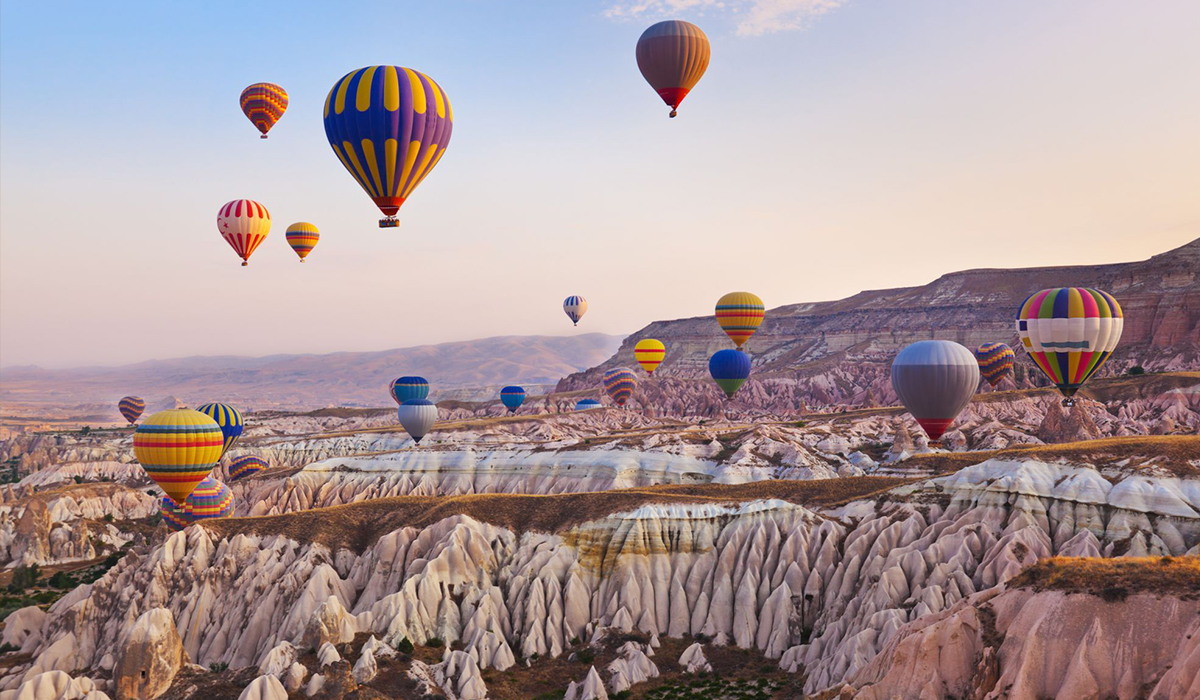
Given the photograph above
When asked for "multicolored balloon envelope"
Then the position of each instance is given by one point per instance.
(575, 307)
(673, 56)
(131, 407)
(210, 499)
(302, 237)
(228, 418)
(729, 369)
(935, 380)
(244, 466)
(263, 104)
(587, 404)
(512, 397)
(995, 361)
(389, 126)
(174, 515)
(619, 382)
(178, 448)
(740, 314)
(409, 388)
(1070, 332)
(244, 224)
(417, 416)
(649, 353)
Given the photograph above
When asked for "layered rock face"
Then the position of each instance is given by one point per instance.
(839, 352)
(825, 592)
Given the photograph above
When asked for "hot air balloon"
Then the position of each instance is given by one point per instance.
(619, 382)
(1069, 332)
(131, 407)
(730, 369)
(389, 126)
(935, 380)
(995, 361)
(245, 466)
(174, 515)
(575, 307)
(302, 237)
(263, 104)
(587, 404)
(407, 388)
(417, 416)
(228, 418)
(649, 353)
(740, 314)
(672, 56)
(244, 224)
(512, 397)
(210, 499)
(178, 448)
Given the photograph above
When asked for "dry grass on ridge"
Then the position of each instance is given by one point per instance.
(356, 526)
(1113, 579)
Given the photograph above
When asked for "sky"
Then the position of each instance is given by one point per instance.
(832, 146)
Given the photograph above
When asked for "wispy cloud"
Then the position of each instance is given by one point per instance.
(753, 17)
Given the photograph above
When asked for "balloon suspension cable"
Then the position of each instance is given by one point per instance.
(673, 114)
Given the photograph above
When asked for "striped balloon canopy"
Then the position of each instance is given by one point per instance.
(649, 353)
(673, 56)
(587, 404)
(619, 382)
(174, 515)
(244, 466)
(302, 237)
(263, 104)
(740, 314)
(1069, 333)
(389, 126)
(131, 408)
(729, 369)
(228, 418)
(512, 397)
(575, 307)
(244, 224)
(178, 448)
(995, 361)
(409, 388)
(210, 499)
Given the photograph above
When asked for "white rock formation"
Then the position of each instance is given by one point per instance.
(148, 657)
(692, 660)
(590, 688)
(264, 688)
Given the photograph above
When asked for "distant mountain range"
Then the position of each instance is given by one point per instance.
(469, 370)
(840, 352)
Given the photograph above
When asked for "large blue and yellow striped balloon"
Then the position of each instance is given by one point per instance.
(178, 448)
(228, 418)
(389, 126)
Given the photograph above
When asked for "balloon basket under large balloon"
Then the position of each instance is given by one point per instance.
(263, 136)
(673, 114)
(245, 263)
(1068, 402)
(389, 222)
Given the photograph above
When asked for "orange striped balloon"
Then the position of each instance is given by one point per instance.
(178, 448)
(302, 237)
(244, 224)
(740, 314)
(649, 353)
(263, 104)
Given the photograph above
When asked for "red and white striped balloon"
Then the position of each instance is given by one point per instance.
(244, 224)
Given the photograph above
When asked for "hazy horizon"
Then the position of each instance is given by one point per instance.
(832, 147)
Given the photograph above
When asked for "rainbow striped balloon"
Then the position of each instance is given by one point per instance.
(302, 237)
(245, 466)
(995, 361)
(649, 353)
(740, 314)
(244, 224)
(178, 448)
(211, 499)
(228, 418)
(131, 407)
(175, 517)
(263, 104)
(620, 382)
(1069, 333)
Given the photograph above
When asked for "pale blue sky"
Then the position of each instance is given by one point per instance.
(831, 147)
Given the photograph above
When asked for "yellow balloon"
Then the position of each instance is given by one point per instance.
(740, 314)
(649, 353)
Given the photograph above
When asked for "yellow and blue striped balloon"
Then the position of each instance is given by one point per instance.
(739, 315)
(178, 448)
(302, 237)
(228, 418)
